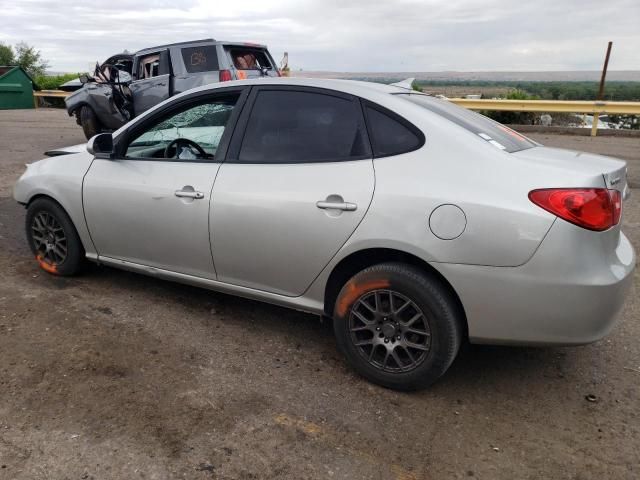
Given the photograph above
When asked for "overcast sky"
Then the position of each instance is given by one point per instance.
(343, 35)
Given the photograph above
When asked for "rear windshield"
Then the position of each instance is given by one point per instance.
(250, 58)
(493, 132)
(200, 59)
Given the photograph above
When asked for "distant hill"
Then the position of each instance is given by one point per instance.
(569, 76)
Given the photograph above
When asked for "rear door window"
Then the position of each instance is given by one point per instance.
(390, 134)
(200, 59)
(291, 126)
(493, 132)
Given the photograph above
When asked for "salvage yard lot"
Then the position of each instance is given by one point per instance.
(116, 375)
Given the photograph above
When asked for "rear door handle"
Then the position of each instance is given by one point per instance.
(189, 194)
(346, 206)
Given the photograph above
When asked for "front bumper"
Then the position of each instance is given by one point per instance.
(569, 293)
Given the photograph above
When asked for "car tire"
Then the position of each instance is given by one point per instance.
(53, 239)
(398, 326)
(90, 124)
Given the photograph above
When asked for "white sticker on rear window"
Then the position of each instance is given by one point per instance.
(492, 141)
(497, 145)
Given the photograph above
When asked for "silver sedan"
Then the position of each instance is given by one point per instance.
(413, 223)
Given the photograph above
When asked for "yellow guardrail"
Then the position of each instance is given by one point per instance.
(49, 93)
(595, 108)
(567, 106)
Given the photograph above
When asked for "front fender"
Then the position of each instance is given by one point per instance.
(59, 178)
(100, 98)
(76, 100)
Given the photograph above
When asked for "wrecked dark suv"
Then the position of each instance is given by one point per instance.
(126, 85)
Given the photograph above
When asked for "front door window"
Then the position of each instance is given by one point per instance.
(193, 133)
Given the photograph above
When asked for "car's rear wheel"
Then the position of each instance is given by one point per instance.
(90, 124)
(398, 326)
(53, 238)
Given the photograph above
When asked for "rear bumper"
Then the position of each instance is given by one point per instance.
(569, 293)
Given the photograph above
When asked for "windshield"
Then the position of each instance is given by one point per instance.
(123, 77)
(493, 132)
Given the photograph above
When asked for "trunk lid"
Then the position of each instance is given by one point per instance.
(612, 170)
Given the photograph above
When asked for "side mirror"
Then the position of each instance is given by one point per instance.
(101, 146)
(84, 78)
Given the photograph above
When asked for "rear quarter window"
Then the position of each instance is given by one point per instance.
(391, 134)
(200, 59)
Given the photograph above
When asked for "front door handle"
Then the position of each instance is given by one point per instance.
(189, 194)
(346, 206)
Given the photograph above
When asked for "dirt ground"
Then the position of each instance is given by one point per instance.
(116, 375)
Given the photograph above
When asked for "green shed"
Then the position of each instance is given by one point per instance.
(16, 88)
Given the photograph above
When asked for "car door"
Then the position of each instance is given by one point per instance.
(297, 182)
(150, 205)
(153, 82)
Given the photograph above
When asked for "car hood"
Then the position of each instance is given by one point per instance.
(81, 147)
(71, 85)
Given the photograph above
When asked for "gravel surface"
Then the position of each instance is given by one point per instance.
(116, 375)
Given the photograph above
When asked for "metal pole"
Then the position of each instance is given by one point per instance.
(594, 127)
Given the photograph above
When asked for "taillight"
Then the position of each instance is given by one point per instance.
(616, 198)
(591, 208)
(225, 75)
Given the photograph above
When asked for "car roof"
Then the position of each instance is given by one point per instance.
(177, 44)
(128, 56)
(385, 95)
(376, 92)
(205, 41)
(355, 87)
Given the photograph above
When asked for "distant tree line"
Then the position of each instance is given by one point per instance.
(614, 90)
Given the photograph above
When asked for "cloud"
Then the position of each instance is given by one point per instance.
(394, 35)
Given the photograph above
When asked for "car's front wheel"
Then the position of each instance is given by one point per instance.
(398, 326)
(90, 124)
(53, 238)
